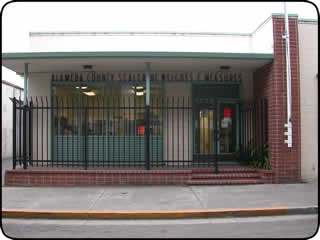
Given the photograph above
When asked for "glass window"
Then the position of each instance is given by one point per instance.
(65, 119)
(115, 110)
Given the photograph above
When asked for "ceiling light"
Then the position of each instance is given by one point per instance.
(84, 87)
(225, 67)
(87, 67)
(139, 93)
(139, 87)
(89, 93)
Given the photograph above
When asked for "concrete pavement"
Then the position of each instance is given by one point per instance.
(163, 198)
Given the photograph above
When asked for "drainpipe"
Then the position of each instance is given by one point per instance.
(25, 87)
(288, 125)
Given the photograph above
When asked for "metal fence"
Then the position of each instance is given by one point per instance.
(254, 130)
(121, 131)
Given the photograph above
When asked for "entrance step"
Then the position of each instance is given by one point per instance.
(225, 182)
(224, 170)
(226, 176)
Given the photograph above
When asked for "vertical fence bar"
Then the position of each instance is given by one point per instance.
(20, 130)
(172, 132)
(188, 112)
(72, 130)
(216, 137)
(91, 134)
(183, 113)
(47, 107)
(147, 162)
(167, 128)
(62, 132)
(67, 125)
(41, 131)
(108, 127)
(30, 133)
(113, 127)
(86, 136)
(24, 135)
(178, 126)
(104, 132)
(124, 128)
(57, 128)
(99, 131)
(209, 140)
(119, 131)
(14, 133)
(158, 130)
(129, 132)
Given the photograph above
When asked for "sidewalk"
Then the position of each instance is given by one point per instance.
(160, 198)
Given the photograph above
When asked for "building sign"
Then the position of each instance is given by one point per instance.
(227, 112)
(219, 76)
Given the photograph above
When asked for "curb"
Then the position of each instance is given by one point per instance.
(174, 214)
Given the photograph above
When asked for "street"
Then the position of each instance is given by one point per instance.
(295, 226)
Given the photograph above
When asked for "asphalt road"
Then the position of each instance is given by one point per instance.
(295, 226)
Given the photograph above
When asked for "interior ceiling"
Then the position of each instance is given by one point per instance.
(132, 64)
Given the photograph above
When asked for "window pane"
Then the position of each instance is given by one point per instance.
(65, 119)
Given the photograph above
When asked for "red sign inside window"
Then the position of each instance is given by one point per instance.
(140, 130)
(227, 113)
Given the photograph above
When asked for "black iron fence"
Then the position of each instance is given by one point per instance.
(254, 133)
(122, 131)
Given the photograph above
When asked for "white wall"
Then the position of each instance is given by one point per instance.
(39, 85)
(308, 50)
(194, 43)
(8, 92)
(262, 39)
(171, 135)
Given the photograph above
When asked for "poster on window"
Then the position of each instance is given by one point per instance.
(226, 122)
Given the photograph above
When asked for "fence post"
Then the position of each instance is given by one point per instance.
(147, 162)
(14, 133)
(24, 136)
(30, 133)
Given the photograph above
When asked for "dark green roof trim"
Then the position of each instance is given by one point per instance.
(138, 32)
(307, 20)
(282, 14)
(59, 55)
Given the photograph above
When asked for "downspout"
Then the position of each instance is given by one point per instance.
(288, 125)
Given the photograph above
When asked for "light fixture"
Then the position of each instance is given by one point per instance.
(87, 67)
(225, 67)
(84, 87)
(138, 87)
(89, 93)
(139, 93)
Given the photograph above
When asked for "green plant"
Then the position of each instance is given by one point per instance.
(253, 156)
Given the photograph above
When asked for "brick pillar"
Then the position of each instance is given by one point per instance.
(270, 83)
(286, 162)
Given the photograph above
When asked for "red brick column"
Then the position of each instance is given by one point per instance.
(270, 82)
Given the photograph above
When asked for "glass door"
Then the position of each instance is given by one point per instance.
(227, 128)
(204, 126)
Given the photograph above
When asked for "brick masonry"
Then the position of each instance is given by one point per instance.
(270, 83)
(105, 177)
(94, 177)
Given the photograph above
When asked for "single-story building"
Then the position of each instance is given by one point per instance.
(165, 102)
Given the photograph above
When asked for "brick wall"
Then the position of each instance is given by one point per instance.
(270, 82)
(94, 177)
